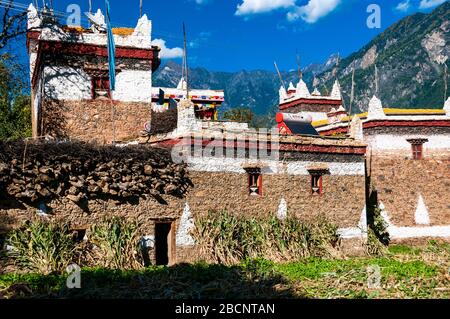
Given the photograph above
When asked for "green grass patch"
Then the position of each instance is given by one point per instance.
(404, 250)
(315, 268)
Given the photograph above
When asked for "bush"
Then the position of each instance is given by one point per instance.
(42, 246)
(118, 244)
(228, 239)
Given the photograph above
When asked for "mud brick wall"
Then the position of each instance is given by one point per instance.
(399, 182)
(164, 122)
(341, 203)
(93, 120)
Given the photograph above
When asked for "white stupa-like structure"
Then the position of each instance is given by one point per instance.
(299, 99)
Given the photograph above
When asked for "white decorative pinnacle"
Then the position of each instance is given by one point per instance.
(143, 27)
(302, 89)
(291, 87)
(316, 92)
(99, 21)
(421, 215)
(375, 110)
(182, 85)
(33, 18)
(282, 210)
(336, 91)
(447, 107)
(283, 94)
(356, 128)
(184, 237)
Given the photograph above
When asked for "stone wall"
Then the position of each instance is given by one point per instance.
(92, 120)
(342, 203)
(401, 182)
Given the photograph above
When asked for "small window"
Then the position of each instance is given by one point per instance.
(316, 184)
(417, 151)
(254, 182)
(317, 180)
(417, 147)
(100, 87)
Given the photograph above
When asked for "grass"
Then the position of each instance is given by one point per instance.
(229, 239)
(406, 272)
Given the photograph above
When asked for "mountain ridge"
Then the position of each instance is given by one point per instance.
(410, 57)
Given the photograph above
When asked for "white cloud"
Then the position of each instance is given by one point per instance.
(313, 10)
(425, 4)
(165, 52)
(403, 6)
(201, 1)
(261, 6)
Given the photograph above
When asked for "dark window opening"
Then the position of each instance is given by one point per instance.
(254, 183)
(316, 184)
(78, 235)
(100, 87)
(162, 239)
(2, 241)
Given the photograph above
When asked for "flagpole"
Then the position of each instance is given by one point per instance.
(445, 82)
(352, 96)
(112, 66)
(186, 62)
(140, 9)
(376, 80)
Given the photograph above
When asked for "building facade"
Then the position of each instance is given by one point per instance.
(70, 80)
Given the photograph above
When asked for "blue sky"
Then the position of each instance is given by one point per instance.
(231, 35)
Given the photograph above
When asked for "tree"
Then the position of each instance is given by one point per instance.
(240, 114)
(13, 21)
(15, 103)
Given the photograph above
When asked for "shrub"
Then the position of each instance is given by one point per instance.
(42, 246)
(118, 244)
(228, 239)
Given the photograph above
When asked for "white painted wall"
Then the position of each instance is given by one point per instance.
(233, 165)
(70, 84)
(301, 168)
(67, 83)
(133, 86)
(136, 41)
(391, 142)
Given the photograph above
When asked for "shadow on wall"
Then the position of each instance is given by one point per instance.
(52, 121)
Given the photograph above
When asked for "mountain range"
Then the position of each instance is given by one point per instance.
(410, 57)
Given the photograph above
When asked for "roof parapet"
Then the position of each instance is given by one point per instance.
(375, 110)
(447, 107)
(33, 20)
(336, 91)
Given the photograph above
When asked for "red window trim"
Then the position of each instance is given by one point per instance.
(417, 147)
(94, 80)
(319, 184)
(258, 183)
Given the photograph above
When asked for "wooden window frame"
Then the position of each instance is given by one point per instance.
(417, 147)
(317, 181)
(254, 178)
(104, 82)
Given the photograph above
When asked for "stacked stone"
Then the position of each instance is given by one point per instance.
(42, 171)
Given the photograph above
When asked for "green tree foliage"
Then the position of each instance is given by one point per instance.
(15, 103)
(240, 114)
